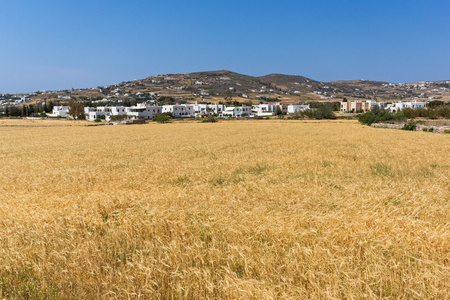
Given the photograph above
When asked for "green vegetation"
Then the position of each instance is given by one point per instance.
(28, 110)
(411, 125)
(162, 118)
(323, 112)
(76, 110)
(210, 119)
(432, 112)
(378, 114)
(118, 118)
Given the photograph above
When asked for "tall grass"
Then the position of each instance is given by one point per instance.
(245, 209)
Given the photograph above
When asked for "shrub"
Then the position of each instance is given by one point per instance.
(297, 116)
(98, 120)
(376, 115)
(411, 125)
(162, 118)
(431, 129)
(118, 117)
(210, 119)
(432, 112)
(308, 113)
(400, 116)
(324, 112)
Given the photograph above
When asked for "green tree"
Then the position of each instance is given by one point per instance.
(324, 112)
(76, 110)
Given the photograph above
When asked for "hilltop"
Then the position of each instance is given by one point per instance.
(214, 86)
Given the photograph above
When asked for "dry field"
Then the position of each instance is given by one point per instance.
(266, 209)
(41, 123)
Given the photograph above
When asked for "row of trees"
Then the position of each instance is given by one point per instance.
(28, 110)
(76, 110)
(435, 112)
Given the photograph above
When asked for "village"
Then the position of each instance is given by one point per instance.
(148, 111)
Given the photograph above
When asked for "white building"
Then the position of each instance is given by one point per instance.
(92, 113)
(237, 111)
(295, 108)
(207, 109)
(61, 111)
(180, 110)
(142, 111)
(395, 107)
(139, 111)
(263, 110)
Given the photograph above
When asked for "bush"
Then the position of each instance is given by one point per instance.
(399, 116)
(432, 112)
(162, 118)
(376, 115)
(323, 112)
(210, 119)
(411, 125)
(98, 120)
(117, 118)
(297, 116)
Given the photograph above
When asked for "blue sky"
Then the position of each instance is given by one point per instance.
(49, 44)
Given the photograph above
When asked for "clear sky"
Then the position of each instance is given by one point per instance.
(61, 44)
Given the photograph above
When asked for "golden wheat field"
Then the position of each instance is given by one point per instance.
(269, 209)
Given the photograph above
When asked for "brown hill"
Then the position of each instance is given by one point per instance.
(214, 86)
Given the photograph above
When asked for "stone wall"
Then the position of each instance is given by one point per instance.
(436, 129)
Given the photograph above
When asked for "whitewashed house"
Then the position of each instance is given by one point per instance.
(237, 111)
(395, 107)
(263, 110)
(207, 109)
(92, 113)
(139, 111)
(142, 111)
(180, 110)
(296, 108)
(60, 111)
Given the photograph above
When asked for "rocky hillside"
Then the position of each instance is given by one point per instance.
(215, 86)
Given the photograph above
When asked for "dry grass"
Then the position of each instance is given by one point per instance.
(252, 210)
(42, 123)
